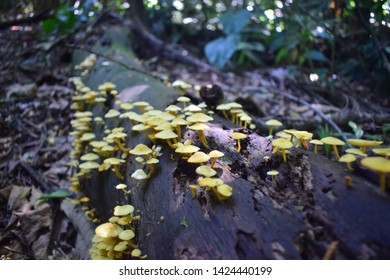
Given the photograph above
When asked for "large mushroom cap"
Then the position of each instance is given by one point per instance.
(123, 210)
(205, 171)
(198, 157)
(282, 143)
(273, 122)
(332, 141)
(377, 163)
(89, 165)
(112, 113)
(362, 142)
(199, 117)
(166, 134)
(141, 150)
(238, 135)
(108, 230)
(347, 158)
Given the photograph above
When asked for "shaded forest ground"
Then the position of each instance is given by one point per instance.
(35, 114)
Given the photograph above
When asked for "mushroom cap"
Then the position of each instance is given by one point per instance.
(166, 134)
(198, 157)
(183, 99)
(362, 142)
(216, 154)
(282, 143)
(382, 151)
(140, 127)
(116, 135)
(377, 163)
(112, 113)
(141, 150)
(205, 171)
(89, 157)
(108, 230)
(234, 105)
(136, 253)
(179, 121)
(199, 118)
(98, 144)
(316, 142)
(302, 134)
(172, 108)
(126, 106)
(210, 182)
(141, 104)
(121, 246)
(123, 210)
(355, 152)
(273, 122)
(347, 158)
(225, 190)
(273, 172)
(113, 161)
(332, 141)
(199, 126)
(223, 107)
(120, 186)
(152, 161)
(238, 135)
(89, 165)
(87, 136)
(187, 149)
(192, 108)
(126, 235)
(139, 174)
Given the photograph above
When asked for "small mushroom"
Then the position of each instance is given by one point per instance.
(348, 158)
(108, 230)
(123, 210)
(379, 164)
(282, 144)
(272, 124)
(363, 144)
(115, 162)
(238, 136)
(224, 191)
(214, 154)
(193, 189)
(167, 135)
(273, 173)
(199, 157)
(200, 128)
(205, 171)
(123, 188)
(139, 174)
(334, 142)
(316, 142)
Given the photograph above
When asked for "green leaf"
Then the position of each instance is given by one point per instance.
(220, 50)
(315, 55)
(280, 55)
(256, 46)
(49, 24)
(233, 23)
(57, 194)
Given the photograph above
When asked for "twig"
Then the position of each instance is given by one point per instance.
(35, 176)
(124, 65)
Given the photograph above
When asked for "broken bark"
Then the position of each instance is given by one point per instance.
(298, 217)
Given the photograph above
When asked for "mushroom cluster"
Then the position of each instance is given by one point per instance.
(114, 239)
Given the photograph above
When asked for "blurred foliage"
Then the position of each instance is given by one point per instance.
(325, 37)
(328, 38)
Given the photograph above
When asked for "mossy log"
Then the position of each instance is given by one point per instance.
(298, 216)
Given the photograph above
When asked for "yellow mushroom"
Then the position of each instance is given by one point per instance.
(379, 164)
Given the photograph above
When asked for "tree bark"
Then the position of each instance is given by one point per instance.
(296, 217)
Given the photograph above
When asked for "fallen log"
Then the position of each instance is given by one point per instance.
(306, 212)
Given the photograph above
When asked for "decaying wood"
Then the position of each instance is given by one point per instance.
(300, 217)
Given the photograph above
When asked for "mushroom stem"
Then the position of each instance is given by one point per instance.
(120, 146)
(336, 152)
(271, 129)
(225, 115)
(382, 181)
(349, 166)
(203, 138)
(315, 148)
(178, 132)
(284, 155)
(151, 171)
(117, 173)
(213, 162)
(170, 143)
(238, 145)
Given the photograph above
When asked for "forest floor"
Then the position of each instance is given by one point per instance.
(35, 145)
